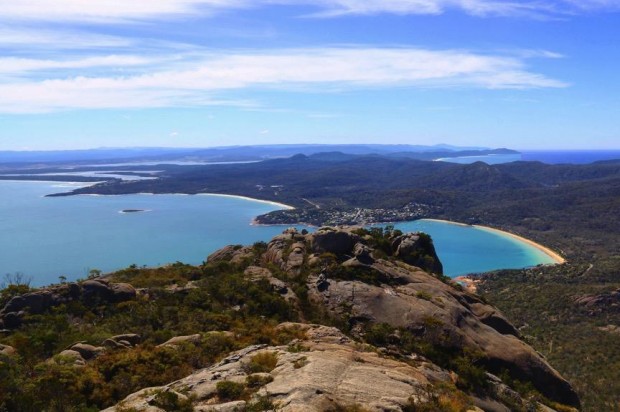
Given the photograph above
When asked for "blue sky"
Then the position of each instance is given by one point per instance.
(199, 73)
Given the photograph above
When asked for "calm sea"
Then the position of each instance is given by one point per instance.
(45, 237)
(571, 156)
(545, 156)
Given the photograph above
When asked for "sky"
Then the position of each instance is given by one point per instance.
(536, 74)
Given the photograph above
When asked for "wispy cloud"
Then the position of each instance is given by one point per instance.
(106, 11)
(203, 81)
(16, 66)
(480, 8)
(58, 39)
(122, 11)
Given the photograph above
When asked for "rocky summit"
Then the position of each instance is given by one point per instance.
(373, 325)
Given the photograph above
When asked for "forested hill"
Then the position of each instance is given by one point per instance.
(336, 179)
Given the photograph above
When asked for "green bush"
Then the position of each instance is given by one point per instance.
(171, 402)
(263, 362)
(256, 381)
(229, 391)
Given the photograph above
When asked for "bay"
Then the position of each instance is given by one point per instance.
(467, 249)
(46, 237)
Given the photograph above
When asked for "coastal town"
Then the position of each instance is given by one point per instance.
(357, 216)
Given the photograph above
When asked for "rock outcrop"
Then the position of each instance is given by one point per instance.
(603, 302)
(364, 287)
(326, 371)
(437, 311)
(90, 292)
(233, 254)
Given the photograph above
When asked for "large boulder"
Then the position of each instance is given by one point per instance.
(87, 351)
(36, 302)
(233, 253)
(339, 242)
(122, 292)
(97, 289)
(180, 340)
(91, 291)
(418, 250)
(69, 357)
(125, 340)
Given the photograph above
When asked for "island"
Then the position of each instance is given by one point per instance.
(133, 210)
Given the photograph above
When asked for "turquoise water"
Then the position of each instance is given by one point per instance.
(467, 249)
(45, 237)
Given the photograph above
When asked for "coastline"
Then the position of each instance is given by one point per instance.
(447, 221)
(547, 251)
(269, 202)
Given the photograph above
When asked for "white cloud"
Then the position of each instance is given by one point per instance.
(532, 8)
(19, 66)
(104, 11)
(123, 11)
(197, 81)
(18, 37)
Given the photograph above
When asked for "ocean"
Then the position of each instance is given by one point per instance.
(545, 156)
(570, 156)
(47, 237)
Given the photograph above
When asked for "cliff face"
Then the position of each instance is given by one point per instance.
(405, 337)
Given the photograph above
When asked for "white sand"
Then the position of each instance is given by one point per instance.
(552, 254)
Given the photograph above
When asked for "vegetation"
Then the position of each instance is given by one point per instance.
(223, 299)
(573, 337)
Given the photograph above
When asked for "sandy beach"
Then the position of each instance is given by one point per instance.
(269, 202)
(552, 254)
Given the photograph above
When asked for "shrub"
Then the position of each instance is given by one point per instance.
(378, 334)
(229, 391)
(424, 295)
(172, 402)
(263, 362)
(300, 363)
(257, 380)
(262, 403)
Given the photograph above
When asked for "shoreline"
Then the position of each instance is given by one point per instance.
(79, 185)
(269, 202)
(549, 252)
(556, 257)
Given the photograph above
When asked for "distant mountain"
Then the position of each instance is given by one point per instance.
(87, 155)
(336, 179)
(233, 153)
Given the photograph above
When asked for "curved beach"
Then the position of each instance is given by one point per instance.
(269, 202)
(549, 252)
